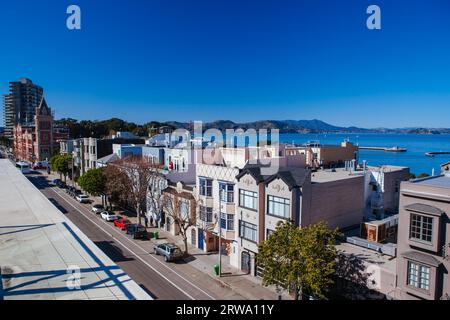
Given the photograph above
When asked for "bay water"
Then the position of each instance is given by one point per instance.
(416, 144)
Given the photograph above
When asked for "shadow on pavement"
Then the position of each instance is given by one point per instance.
(112, 251)
(57, 205)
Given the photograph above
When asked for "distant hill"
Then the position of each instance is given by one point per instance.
(304, 126)
(103, 128)
(285, 126)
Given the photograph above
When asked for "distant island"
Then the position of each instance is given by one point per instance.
(101, 128)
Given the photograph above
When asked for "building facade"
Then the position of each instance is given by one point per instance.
(34, 142)
(423, 260)
(20, 104)
(87, 151)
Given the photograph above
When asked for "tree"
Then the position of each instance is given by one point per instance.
(61, 163)
(4, 141)
(129, 179)
(93, 181)
(300, 259)
(182, 211)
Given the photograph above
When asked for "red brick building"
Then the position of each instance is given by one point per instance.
(36, 141)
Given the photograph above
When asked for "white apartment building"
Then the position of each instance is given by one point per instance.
(215, 188)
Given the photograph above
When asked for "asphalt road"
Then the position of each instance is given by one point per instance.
(155, 276)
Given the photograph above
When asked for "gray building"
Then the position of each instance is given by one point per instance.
(423, 260)
(19, 105)
(87, 151)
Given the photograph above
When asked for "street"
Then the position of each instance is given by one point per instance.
(167, 281)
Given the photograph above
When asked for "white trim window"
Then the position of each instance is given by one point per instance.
(278, 207)
(248, 231)
(248, 199)
(421, 228)
(226, 192)
(418, 276)
(206, 214)
(227, 221)
(205, 187)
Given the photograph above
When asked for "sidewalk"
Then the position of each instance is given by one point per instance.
(242, 284)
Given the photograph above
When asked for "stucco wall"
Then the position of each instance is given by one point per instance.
(340, 203)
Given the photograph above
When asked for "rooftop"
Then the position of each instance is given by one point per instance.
(386, 168)
(442, 181)
(368, 256)
(39, 246)
(329, 175)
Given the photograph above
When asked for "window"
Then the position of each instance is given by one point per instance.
(184, 209)
(418, 276)
(206, 214)
(278, 207)
(226, 192)
(227, 221)
(269, 232)
(247, 231)
(205, 187)
(248, 199)
(421, 228)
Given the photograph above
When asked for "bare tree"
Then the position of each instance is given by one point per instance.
(183, 212)
(130, 179)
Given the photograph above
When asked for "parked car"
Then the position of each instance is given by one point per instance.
(41, 165)
(122, 223)
(136, 231)
(97, 208)
(71, 190)
(108, 216)
(57, 182)
(170, 251)
(82, 198)
(74, 192)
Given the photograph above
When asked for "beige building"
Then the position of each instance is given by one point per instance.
(294, 194)
(423, 261)
(327, 156)
(185, 209)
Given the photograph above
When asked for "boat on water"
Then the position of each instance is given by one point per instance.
(395, 149)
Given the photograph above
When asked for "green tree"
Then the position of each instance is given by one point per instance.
(93, 182)
(4, 141)
(61, 163)
(299, 259)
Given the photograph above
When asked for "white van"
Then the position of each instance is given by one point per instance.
(24, 167)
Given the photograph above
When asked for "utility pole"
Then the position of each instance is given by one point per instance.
(220, 232)
(220, 248)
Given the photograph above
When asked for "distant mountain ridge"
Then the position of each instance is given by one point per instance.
(304, 126)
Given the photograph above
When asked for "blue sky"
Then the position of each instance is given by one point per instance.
(241, 60)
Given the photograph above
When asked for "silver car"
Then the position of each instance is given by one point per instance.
(82, 198)
(170, 251)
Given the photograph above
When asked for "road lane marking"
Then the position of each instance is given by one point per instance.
(124, 246)
(61, 195)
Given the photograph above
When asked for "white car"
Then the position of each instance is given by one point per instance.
(82, 198)
(97, 208)
(108, 216)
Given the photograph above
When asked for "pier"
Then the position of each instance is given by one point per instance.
(385, 149)
(432, 154)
